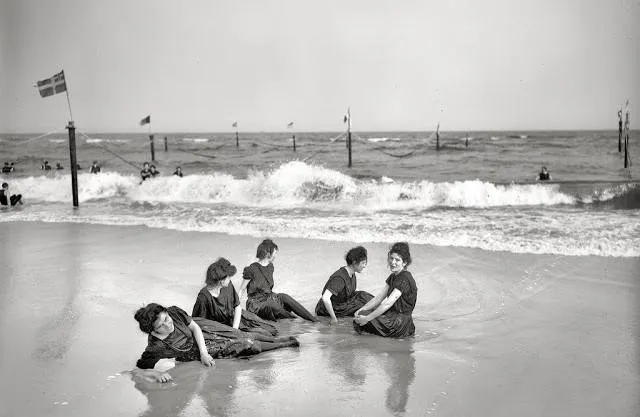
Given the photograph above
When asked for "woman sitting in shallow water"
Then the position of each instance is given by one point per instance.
(339, 295)
(175, 335)
(219, 301)
(258, 279)
(389, 313)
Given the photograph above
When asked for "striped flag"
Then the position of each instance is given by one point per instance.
(235, 124)
(290, 124)
(53, 85)
(145, 121)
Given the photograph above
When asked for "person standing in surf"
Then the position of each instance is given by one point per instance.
(258, 280)
(145, 173)
(388, 314)
(219, 301)
(544, 175)
(339, 295)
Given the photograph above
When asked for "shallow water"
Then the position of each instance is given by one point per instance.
(496, 332)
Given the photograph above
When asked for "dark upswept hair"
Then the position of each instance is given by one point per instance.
(147, 315)
(401, 249)
(356, 255)
(266, 248)
(219, 270)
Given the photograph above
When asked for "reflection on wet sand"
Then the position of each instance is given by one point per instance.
(197, 390)
(345, 359)
(352, 356)
(400, 366)
(262, 373)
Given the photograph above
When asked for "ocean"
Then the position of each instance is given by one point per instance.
(505, 324)
(399, 188)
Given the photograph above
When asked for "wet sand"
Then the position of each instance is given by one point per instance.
(498, 334)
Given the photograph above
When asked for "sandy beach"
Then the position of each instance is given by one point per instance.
(497, 334)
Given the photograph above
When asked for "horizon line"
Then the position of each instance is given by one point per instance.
(292, 131)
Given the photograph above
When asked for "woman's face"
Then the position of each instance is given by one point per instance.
(225, 281)
(396, 264)
(360, 266)
(272, 257)
(163, 324)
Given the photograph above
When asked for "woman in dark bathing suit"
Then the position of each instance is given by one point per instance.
(261, 300)
(388, 314)
(175, 335)
(219, 301)
(339, 296)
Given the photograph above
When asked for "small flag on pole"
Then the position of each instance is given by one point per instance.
(145, 121)
(53, 85)
(235, 124)
(290, 124)
(345, 118)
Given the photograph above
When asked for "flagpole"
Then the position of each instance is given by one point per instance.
(349, 134)
(235, 125)
(52, 86)
(153, 150)
(290, 124)
(72, 148)
(66, 90)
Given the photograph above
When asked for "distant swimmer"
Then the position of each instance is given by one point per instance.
(178, 172)
(95, 168)
(154, 172)
(58, 166)
(145, 174)
(7, 169)
(6, 197)
(45, 166)
(544, 175)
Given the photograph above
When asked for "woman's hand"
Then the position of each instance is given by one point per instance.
(163, 377)
(361, 320)
(206, 359)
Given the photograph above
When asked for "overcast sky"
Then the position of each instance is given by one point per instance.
(199, 65)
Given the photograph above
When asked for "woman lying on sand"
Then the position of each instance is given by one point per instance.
(389, 313)
(219, 301)
(175, 335)
(339, 295)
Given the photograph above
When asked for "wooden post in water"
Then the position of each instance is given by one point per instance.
(166, 146)
(74, 164)
(349, 134)
(466, 141)
(626, 151)
(294, 142)
(153, 150)
(620, 130)
(626, 136)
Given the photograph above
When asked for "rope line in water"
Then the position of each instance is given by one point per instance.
(404, 155)
(110, 151)
(40, 136)
(338, 137)
(201, 154)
